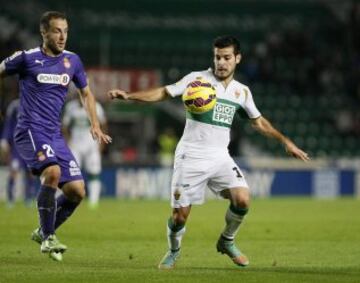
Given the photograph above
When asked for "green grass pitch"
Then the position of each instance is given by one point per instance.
(287, 240)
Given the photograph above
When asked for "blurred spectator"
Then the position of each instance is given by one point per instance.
(167, 143)
(86, 150)
(15, 163)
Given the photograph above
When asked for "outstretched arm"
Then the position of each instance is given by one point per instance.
(152, 95)
(88, 101)
(263, 126)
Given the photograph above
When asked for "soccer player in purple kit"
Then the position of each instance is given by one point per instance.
(15, 162)
(44, 76)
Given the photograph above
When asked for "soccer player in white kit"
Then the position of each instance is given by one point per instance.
(86, 150)
(202, 158)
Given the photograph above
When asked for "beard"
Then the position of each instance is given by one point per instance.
(54, 48)
(223, 75)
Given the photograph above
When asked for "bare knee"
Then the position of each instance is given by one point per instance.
(51, 176)
(241, 199)
(180, 215)
(74, 191)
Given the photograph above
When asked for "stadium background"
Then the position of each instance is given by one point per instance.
(300, 59)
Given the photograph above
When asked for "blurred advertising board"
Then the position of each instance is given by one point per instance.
(102, 80)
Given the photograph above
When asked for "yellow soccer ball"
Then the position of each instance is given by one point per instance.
(199, 96)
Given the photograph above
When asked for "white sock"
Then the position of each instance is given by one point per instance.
(94, 191)
(174, 238)
(233, 222)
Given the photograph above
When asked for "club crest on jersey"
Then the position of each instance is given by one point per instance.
(67, 63)
(237, 94)
(63, 79)
(41, 156)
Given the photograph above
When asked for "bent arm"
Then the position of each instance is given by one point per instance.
(263, 126)
(89, 103)
(151, 95)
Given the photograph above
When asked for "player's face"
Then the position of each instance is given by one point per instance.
(225, 62)
(55, 37)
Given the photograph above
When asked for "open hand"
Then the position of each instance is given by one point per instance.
(98, 135)
(296, 152)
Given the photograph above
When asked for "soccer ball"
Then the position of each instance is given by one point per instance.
(199, 97)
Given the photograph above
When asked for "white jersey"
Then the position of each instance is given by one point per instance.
(76, 119)
(211, 130)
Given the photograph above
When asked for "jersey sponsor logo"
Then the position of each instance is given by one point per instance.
(62, 79)
(74, 169)
(224, 113)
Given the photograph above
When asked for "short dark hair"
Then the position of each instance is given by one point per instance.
(227, 41)
(48, 16)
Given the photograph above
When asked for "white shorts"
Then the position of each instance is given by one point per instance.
(87, 154)
(193, 173)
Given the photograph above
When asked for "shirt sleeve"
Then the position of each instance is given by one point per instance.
(249, 105)
(79, 78)
(14, 63)
(178, 88)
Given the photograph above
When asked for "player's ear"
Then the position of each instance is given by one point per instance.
(42, 31)
(238, 58)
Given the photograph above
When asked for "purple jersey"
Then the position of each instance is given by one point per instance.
(44, 82)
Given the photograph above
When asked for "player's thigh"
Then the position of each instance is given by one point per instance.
(92, 160)
(238, 196)
(36, 149)
(70, 170)
(228, 176)
(189, 181)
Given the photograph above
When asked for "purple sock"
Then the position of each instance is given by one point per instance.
(47, 210)
(10, 189)
(65, 208)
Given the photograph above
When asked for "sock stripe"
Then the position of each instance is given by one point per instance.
(226, 238)
(174, 227)
(238, 210)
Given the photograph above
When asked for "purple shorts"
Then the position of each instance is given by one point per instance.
(41, 150)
